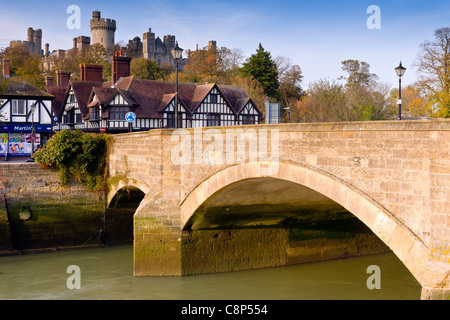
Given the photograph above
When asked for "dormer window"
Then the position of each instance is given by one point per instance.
(93, 114)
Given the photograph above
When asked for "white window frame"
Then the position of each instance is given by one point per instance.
(15, 108)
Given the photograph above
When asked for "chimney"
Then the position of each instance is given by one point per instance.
(6, 73)
(120, 67)
(49, 83)
(63, 78)
(91, 72)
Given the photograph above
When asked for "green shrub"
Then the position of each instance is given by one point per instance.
(77, 153)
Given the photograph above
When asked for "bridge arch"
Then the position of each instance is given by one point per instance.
(130, 182)
(401, 240)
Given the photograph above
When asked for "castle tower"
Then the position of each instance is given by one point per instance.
(169, 44)
(37, 40)
(212, 45)
(34, 39)
(30, 40)
(102, 30)
(149, 44)
(83, 42)
(47, 50)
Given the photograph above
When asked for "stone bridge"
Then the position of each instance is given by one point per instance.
(393, 176)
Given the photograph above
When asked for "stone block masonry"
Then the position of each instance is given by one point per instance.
(392, 175)
(43, 214)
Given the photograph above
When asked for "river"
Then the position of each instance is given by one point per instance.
(107, 273)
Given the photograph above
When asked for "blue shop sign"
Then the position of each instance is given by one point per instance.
(26, 128)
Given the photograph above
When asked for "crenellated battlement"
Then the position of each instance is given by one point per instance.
(102, 30)
(103, 23)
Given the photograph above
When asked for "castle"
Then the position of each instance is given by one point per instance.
(102, 32)
(33, 43)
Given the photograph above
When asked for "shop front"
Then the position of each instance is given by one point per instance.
(17, 140)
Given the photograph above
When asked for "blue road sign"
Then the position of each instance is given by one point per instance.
(55, 118)
(130, 117)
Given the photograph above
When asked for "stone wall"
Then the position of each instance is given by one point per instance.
(41, 213)
(223, 250)
(5, 233)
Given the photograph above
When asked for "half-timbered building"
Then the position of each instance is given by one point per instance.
(23, 107)
(98, 106)
(153, 103)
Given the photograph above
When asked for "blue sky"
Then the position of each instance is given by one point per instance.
(316, 35)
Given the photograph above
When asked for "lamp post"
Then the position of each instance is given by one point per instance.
(176, 53)
(32, 109)
(400, 70)
(289, 114)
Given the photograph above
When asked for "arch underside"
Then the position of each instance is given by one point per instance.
(130, 182)
(298, 185)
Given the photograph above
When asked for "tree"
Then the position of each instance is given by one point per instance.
(146, 69)
(262, 68)
(31, 72)
(230, 61)
(434, 65)
(253, 88)
(324, 101)
(17, 56)
(369, 103)
(212, 65)
(97, 54)
(201, 66)
(93, 54)
(413, 104)
(358, 73)
(290, 84)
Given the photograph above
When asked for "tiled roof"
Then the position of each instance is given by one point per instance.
(152, 96)
(17, 86)
(82, 91)
(103, 94)
(149, 97)
(58, 102)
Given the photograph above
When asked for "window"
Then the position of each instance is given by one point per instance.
(93, 113)
(213, 120)
(118, 113)
(72, 98)
(171, 120)
(213, 98)
(18, 107)
(246, 119)
(69, 118)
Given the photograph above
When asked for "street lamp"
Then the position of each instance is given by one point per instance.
(289, 114)
(32, 109)
(176, 53)
(400, 70)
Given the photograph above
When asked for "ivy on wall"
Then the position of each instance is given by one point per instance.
(77, 153)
